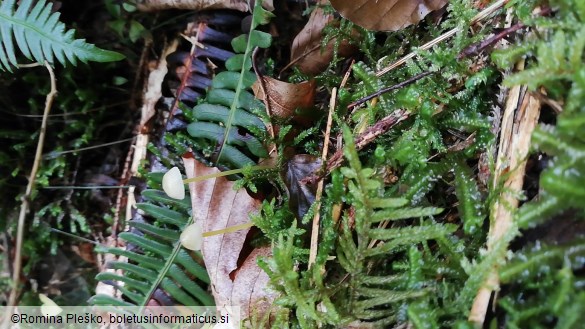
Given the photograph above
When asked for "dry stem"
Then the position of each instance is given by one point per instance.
(17, 266)
(316, 218)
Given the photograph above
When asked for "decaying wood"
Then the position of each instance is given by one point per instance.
(519, 121)
(154, 5)
(137, 153)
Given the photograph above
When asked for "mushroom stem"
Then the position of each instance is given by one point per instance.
(224, 173)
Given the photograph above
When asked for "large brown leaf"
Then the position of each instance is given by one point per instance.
(386, 15)
(307, 53)
(286, 100)
(219, 206)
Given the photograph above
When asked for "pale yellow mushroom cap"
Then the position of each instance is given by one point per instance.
(192, 236)
(49, 307)
(172, 184)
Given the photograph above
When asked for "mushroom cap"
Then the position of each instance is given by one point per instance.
(192, 236)
(172, 184)
(49, 307)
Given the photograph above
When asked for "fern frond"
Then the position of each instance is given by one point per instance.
(162, 263)
(229, 104)
(40, 36)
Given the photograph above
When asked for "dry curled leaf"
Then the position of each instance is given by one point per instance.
(306, 52)
(218, 206)
(386, 15)
(286, 100)
(301, 195)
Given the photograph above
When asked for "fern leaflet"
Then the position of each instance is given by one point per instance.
(41, 37)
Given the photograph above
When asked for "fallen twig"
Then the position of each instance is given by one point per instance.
(476, 48)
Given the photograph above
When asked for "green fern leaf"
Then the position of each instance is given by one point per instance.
(230, 103)
(40, 36)
(162, 263)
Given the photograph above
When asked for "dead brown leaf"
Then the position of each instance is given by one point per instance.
(386, 15)
(301, 195)
(307, 53)
(219, 206)
(286, 100)
(251, 285)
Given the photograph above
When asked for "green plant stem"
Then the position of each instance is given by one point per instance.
(238, 91)
(224, 173)
(229, 229)
(17, 266)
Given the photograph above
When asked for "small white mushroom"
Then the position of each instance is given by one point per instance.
(49, 307)
(172, 184)
(192, 237)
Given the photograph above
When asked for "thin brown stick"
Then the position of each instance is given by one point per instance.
(361, 141)
(194, 40)
(17, 266)
(558, 108)
(477, 48)
(388, 89)
(347, 73)
(316, 217)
